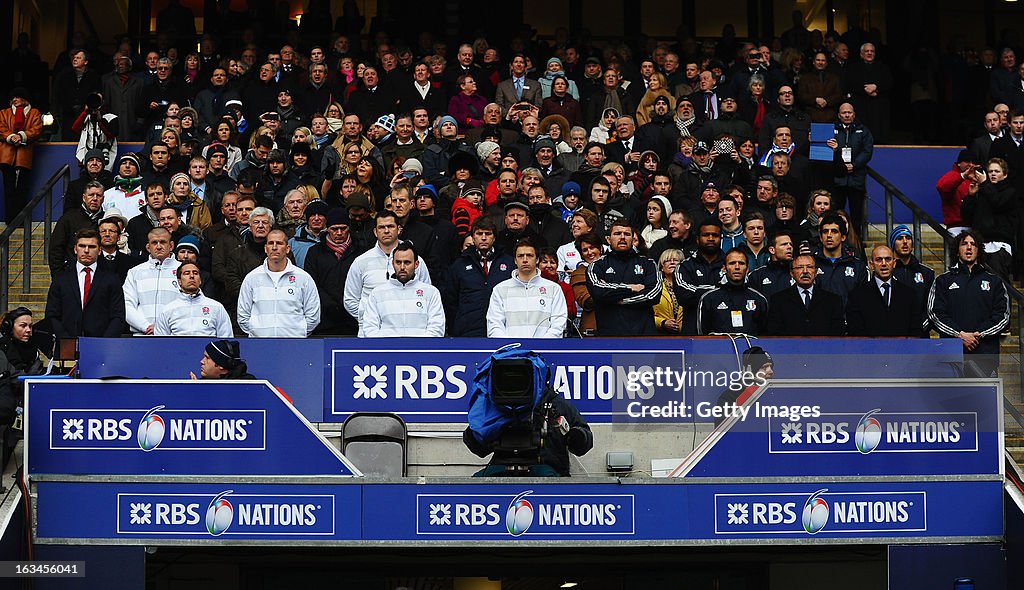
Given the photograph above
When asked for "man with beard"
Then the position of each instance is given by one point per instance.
(909, 270)
(700, 273)
(649, 134)
(624, 286)
(404, 305)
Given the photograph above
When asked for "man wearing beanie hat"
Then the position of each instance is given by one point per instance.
(443, 242)
(660, 117)
(382, 130)
(436, 156)
(93, 169)
(756, 367)
(909, 270)
(485, 149)
(192, 313)
(222, 360)
(20, 127)
(310, 233)
(554, 174)
(489, 154)
(127, 195)
(328, 263)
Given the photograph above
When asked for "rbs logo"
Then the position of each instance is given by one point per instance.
(156, 429)
(525, 513)
(821, 511)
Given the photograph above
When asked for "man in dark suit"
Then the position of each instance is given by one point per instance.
(982, 145)
(420, 93)
(883, 306)
(805, 309)
(518, 88)
(82, 301)
(627, 147)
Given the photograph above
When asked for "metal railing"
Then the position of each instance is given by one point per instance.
(24, 220)
(920, 216)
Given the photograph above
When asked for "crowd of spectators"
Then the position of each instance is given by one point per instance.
(539, 190)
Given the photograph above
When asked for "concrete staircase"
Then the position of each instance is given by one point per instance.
(1010, 358)
(35, 297)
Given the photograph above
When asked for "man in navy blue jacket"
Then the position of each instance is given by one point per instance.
(471, 278)
(625, 286)
(82, 301)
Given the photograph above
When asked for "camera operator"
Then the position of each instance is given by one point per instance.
(96, 129)
(539, 447)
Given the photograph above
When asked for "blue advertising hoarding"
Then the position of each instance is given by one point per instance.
(197, 511)
(829, 428)
(177, 427)
(427, 380)
(430, 380)
(515, 513)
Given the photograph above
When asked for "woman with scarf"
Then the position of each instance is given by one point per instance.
(753, 107)
(20, 127)
(603, 133)
(553, 71)
(193, 210)
(18, 357)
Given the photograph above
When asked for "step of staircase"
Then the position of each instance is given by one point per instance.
(35, 297)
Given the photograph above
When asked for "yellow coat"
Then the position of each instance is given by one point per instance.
(667, 308)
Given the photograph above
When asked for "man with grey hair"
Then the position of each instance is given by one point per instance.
(85, 216)
(164, 90)
(572, 161)
(870, 86)
(245, 256)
